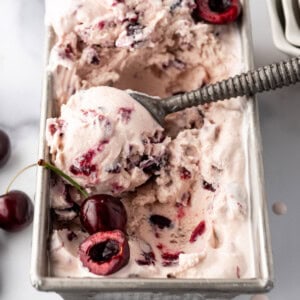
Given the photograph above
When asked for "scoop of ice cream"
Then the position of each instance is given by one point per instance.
(106, 141)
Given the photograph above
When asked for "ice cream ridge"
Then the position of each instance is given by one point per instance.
(163, 202)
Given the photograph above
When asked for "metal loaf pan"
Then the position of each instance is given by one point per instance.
(138, 288)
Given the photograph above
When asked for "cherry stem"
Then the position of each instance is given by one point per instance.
(59, 172)
(17, 175)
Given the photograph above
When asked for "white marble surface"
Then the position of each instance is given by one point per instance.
(21, 57)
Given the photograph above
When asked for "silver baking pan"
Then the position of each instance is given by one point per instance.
(138, 288)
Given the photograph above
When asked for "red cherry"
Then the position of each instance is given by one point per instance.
(104, 253)
(218, 11)
(103, 213)
(5, 148)
(16, 211)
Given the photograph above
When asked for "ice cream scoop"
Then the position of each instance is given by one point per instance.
(106, 140)
(269, 77)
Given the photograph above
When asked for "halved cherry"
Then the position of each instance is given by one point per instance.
(104, 253)
(218, 11)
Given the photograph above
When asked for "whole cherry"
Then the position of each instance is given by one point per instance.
(16, 208)
(218, 11)
(5, 148)
(103, 213)
(16, 211)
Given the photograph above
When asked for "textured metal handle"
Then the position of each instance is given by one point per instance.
(263, 79)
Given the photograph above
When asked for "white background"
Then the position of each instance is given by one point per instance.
(21, 54)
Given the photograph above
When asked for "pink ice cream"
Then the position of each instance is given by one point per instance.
(191, 217)
(149, 46)
(101, 141)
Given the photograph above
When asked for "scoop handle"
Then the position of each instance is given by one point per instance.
(266, 78)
